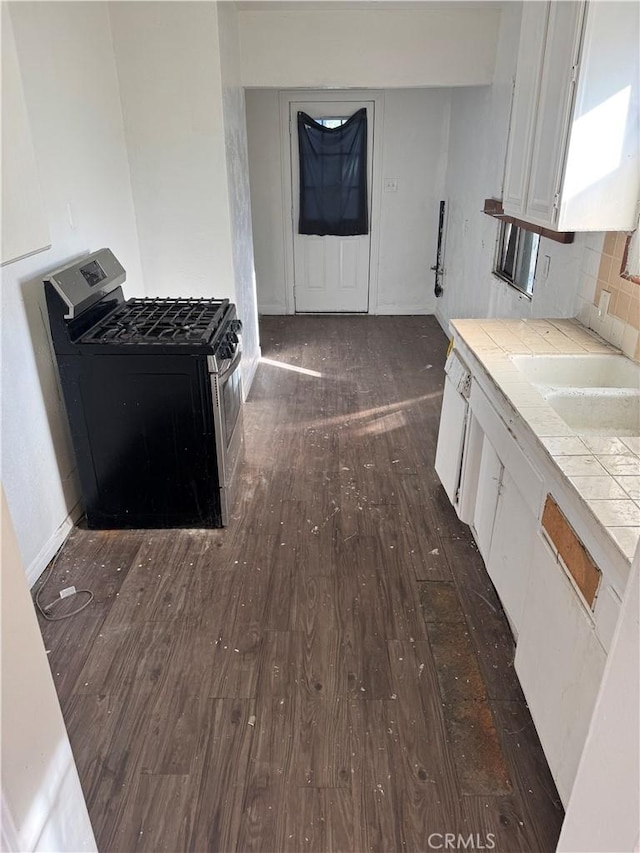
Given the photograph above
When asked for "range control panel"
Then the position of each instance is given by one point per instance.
(87, 280)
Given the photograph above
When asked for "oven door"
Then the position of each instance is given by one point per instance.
(229, 432)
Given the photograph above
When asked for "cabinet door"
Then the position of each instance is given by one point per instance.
(470, 470)
(602, 172)
(489, 479)
(523, 108)
(453, 421)
(509, 559)
(555, 103)
(560, 663)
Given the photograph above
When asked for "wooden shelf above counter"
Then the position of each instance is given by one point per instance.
(493, 207)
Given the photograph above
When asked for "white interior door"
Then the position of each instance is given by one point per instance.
(331, 273)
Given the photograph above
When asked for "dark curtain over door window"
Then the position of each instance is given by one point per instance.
(333, 176)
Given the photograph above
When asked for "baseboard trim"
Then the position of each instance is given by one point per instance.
(402, 310)
(52, 545)
(270, 309)
(444, 324)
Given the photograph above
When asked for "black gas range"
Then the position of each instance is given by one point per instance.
(153, 395)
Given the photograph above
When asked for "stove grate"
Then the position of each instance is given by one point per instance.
(160, 320)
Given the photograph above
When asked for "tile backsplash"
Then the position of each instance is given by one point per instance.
(600, 272)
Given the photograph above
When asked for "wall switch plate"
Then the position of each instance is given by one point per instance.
(391, 185)
(603, 303)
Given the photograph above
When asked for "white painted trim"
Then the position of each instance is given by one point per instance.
(376, 199)
(26, 255)
(272, 308)
(253, 366)
(51, 546)
(402, 310)
(444, 323)
(286, 99)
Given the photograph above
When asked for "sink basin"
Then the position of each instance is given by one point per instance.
(602, 411)
(580, 371)
(595, 394)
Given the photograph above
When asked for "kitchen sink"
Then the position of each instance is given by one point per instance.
(601, 411)
(580, 371)
(596, 394)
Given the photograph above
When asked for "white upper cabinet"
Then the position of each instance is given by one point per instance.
(572, 158)
(553, 117)
(525, 96)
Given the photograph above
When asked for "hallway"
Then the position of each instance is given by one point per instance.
(333, 671)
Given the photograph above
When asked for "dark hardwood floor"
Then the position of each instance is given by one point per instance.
(333, 671)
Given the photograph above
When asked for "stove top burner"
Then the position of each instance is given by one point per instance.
(148, 321)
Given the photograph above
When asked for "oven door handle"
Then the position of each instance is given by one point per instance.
(228, 370)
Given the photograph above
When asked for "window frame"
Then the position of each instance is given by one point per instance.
(500, 268)
(341, 120)
(631, 258)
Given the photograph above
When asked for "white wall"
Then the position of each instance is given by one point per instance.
(413, 150)
(267, 204)
(184, 154)
(73, 107)
(25, 229)
(170, 85)
(477, 149)
(184, 126)
(414, 145)
(237, 156)
(447, 45)
(42, 803)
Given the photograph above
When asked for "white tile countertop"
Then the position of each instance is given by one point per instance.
(604, 471)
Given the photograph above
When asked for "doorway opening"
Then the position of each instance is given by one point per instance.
(330, 273)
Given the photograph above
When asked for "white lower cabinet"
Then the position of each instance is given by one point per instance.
(559, 662)
(501, 484)
(510, 555)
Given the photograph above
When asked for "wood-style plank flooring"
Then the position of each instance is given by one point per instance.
(333, 671)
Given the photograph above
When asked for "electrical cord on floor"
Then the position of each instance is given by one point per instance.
(64, 593)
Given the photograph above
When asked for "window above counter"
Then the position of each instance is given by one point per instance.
(630, 268)
(517, 257)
